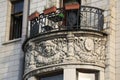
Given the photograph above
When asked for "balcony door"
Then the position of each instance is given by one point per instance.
(72, 17)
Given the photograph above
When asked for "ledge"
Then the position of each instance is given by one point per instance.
(11, 41)
(82, 31)
(61, 67)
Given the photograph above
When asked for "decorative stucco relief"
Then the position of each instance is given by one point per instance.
(72, 48)
(46, 53)
(90, 50)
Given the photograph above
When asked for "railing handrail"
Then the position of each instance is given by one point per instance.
(94, 8)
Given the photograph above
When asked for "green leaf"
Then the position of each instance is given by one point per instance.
(61, 15)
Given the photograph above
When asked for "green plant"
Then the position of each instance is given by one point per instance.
(61, 15)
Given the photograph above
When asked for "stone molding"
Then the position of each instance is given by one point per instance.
(69, 48)
(59, 67)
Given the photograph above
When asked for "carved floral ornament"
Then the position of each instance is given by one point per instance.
(86, 50)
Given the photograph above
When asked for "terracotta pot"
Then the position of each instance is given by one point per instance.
(50, 10)
(34, 15)
(71, 6)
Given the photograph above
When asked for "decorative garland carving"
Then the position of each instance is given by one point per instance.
(90, 50)
(85, 50)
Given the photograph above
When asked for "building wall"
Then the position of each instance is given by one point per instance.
(11, 55)
(110, 28)
(110, 60)
(111, 7)
(117, 39)
(37, 5)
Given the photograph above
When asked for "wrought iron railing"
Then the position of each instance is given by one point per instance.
(87, 18)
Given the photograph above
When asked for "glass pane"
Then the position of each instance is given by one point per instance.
(57, 77)
(17, 27)
(18, 7)
(34, 29)
(86, 76)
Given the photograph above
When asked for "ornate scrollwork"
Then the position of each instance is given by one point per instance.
(47, 52)
(90, 50)
(58, 50)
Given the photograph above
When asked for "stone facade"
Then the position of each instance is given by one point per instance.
(73, 47)
(69, 48)
(12, 57)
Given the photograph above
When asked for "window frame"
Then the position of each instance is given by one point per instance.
(13, 29)
(50, 74)
(87, 71)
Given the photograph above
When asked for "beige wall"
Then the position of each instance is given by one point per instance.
(110, 26)
(110, 61)
(117, 40)
(11, 56)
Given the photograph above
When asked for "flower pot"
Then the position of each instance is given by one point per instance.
(50, 10)
(34, 15)
(71, 6)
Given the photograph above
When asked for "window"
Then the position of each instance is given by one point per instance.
(71, 16)
(16, 19)
(56, 77)
(88, 75)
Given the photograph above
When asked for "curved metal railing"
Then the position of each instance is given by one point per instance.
(87, 18)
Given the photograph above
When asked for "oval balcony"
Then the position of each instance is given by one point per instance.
(65, 38)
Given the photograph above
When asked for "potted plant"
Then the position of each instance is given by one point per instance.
(57, 18)
(72, 4)
(60, 17)
(34, 15)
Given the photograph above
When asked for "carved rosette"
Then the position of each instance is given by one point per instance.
(78, 49)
